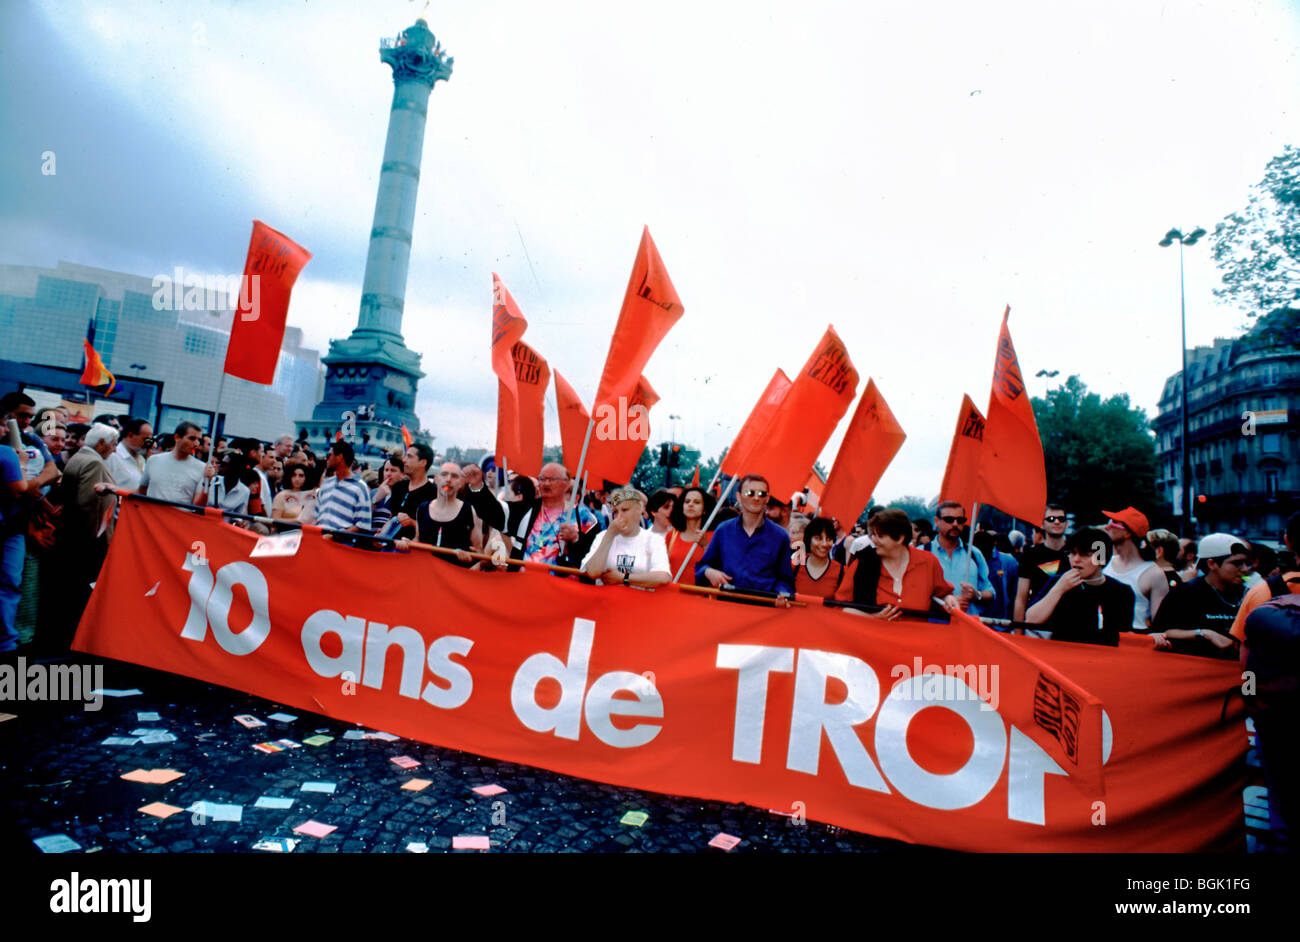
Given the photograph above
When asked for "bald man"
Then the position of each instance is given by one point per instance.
(548, 530)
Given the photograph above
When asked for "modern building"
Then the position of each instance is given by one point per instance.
(165, 344)
(372, 376)
(1243, 410)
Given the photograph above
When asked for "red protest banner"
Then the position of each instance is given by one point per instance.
(961, 475)
(735, 461)
(909, 730)
(806, 417)
(873, 438)
(1013, 474)
(272, 266)
(521, 416)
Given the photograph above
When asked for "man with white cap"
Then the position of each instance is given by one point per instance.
(1197, 616)
(1126, 528)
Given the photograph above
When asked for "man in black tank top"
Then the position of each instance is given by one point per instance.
(452, 523)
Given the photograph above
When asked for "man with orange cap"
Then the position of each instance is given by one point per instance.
(1126, 529)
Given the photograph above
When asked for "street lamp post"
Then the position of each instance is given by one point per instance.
(1190, 239)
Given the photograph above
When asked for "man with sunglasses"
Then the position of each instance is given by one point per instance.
(749, 551)
(1196, 617)
(1043, 560)
(964, 567)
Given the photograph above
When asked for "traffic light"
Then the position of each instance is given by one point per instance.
(1201, 498)
(675, 456)
(663, 455)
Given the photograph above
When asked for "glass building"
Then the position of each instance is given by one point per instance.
(167, 356)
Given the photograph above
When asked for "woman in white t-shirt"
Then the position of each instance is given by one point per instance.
(625, 554)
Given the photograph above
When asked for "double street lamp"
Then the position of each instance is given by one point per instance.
(1172, 236)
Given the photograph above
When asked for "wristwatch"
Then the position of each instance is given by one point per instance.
(627, 577)
(1200, 633)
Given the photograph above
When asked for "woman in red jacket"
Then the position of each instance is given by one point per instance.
(893, 574)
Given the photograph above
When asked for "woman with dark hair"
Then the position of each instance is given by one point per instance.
(893, 574)
(687, 518)
(226, 489)
(660, 508)
(523, 488)
(392, 471)
(818, 575)
(292, 499)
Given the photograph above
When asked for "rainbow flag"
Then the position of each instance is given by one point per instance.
(406, 436)
(93, 371)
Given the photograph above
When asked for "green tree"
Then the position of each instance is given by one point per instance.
(915, 506)
(1258, 248)
(1100, 454)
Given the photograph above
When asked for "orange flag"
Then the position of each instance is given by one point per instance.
(650, 308)
(873, 438)
(521, 417)
(961, 476)
(1013, 474)
(621, 435)
(736, 459)
(573, 421)
(695, 478)
(508, 326)
(272, 266)
(406, 437)
(807, 416)
(95, 373)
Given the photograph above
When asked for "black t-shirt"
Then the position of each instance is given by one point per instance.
(1075, 617)
(1040, 564)
(488, 508)
(407, 501)
(1197, 604)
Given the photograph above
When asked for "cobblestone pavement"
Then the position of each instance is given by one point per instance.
(56, 777)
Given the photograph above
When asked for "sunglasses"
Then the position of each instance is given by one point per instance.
(1054, 519)
(953, 519)
(755, 493)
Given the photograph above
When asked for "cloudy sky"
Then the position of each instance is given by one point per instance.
(902, 171)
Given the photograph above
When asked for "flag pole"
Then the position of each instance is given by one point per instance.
(705, 529)
(970, 547)
(216, 413)
(582, 459)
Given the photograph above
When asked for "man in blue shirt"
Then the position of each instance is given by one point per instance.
(749, 551)
(964, 568)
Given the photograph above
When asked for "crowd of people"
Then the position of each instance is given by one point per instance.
(1209, 597)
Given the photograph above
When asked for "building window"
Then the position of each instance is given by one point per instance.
(1270, 483)
(1271, 443)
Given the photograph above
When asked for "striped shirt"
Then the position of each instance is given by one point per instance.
(343, 504)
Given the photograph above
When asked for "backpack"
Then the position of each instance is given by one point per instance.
(1273, 646)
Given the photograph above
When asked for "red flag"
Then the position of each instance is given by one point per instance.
(735, 460)
(650, 308)
(961, 476)
(873, 438)
(272, 266)
(406, 437)
(521, 417)
(816, 486)
(621, 434)
(95, 373)
(806, 418)
(338, 436)
(508, 326)
(1013, 474)
(573, 421)
(695, 478)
